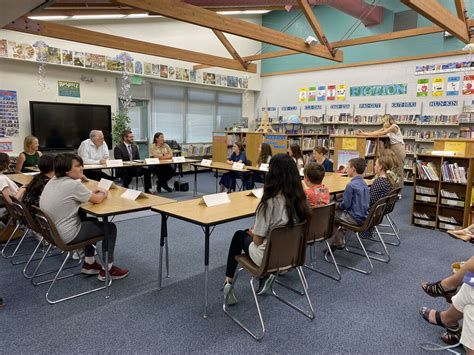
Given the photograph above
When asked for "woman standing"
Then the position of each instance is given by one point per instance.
(159, 149)
(228, 180)
(30, 156)
(397, 145)
(319, 156)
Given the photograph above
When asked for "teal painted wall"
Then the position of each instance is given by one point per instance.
(336, 24)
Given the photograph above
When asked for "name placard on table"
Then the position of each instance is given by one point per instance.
(151, 161)
(264, 167)
(206, 162)
(113, 163)
(215, 199)
(133, 194)
(179, 160)
(238, 166)
(258, 193)
(106, 184)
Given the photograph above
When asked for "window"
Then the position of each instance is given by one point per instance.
(138, 113)
(189, 115)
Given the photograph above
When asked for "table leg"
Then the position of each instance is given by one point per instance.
(136, 178)
(217, 175)
(105, 219)
(163, 236)
(206, 268)
(167, 257)
(195, 180)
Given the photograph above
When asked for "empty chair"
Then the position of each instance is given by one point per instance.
(391, 223)
(321, 229)
(50, 233)
(285, 250)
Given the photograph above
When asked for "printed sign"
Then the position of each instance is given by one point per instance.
(341, 107)
(452, 88)
(321, 93)
(370, 105)
(403, 104)
(69, 88)
(379, 90)
(468, 85)
(303, 97)
(331, 93)
(443, 103)
(341, 92)
(422, 87)
(457, 147)
(312, 93)
(349, 143)
(437, 87)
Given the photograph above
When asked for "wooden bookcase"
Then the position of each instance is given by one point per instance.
(222, 141)
(359, 144)
(434, 204)
(463, 146)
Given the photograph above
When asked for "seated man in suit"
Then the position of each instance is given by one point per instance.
(127, 151)
(94, 151)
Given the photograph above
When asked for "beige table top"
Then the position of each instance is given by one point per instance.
(222, 166)
(113, 204)
(241, 206)
(127, 164)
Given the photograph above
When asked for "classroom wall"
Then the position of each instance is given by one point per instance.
(283, 90)
(338, 26)
(100, 87)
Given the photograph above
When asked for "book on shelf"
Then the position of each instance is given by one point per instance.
(406, 119)
(454, 173)
(408, 163)
(424, 190)
(359, 119)
(426, 170)
(429, 135)
(422, 215)
(451, 194)
(408, 176)
(369, 170)
(438, 119)
(369, 147)
(466, 117)
(450, 220)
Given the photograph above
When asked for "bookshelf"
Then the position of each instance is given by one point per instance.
(367, 148)
(222, 144)
(443, 191)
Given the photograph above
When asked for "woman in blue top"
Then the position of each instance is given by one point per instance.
(228, 179)
(319, 157)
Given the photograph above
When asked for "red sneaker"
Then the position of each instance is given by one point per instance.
(115, 273)
(91, 269)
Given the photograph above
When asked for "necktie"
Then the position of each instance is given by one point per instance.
(130, 152)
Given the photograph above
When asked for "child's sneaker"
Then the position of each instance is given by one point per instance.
(229, 290)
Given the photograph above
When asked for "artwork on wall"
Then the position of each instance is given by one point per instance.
(341, 92)
(312, 93)
(321, 93)
(6, 147)
(437, 87)
(444, 67)
(453, 85)
(40, 51)
(468, 85)
(69, 89)
(9, 125)
(303, 95)
(422, 87)
(331, 93)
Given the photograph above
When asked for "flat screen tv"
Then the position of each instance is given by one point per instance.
(63, 126)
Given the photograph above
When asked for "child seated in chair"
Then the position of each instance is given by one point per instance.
(355, 202)
(316, 192)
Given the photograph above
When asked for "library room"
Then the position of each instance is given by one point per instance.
(209, 175)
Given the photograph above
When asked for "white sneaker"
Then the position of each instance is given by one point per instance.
(229, 291)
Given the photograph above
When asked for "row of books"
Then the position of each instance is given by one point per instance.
(408, 175)
(438, 119)
(454, 173)
(408, 163)
(466, 132)
(406, 119)
(410, 148)
(422, 215)
(447, 219)
(426, 170)
(196, 150)
(451, 194)
(424, 190)
(428, 135)
(408, 133)
(369, 147)
(466, 117)
(232, 138)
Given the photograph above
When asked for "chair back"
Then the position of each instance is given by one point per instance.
(48, 228)
(8, 207)
(392, 201)
(24, 214)
(285, 248)
(376, 213)
(321, 226)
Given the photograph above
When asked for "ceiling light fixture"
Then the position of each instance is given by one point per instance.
(48, 18)
(97, 17)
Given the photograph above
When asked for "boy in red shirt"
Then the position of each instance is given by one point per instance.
(316, 192)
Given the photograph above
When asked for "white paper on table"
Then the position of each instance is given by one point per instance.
(106, 184)
(130, 194)
(258, 193)
(215, 199)
(113, 163)
(179, 160)
(238, 166)
(206, 162)
(152, 161)
(264, 167)
(92, 166)
(32, 173)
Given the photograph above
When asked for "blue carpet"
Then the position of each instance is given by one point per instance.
(361, 314)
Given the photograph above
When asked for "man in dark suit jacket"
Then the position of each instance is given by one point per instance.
(128, 151)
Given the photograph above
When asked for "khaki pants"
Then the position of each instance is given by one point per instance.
(399, 150)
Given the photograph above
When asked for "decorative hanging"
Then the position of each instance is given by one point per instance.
(42, 77)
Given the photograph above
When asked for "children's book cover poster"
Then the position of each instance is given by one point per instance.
(341, 92)
(331, 93)
(453, 85)
(321, 93)
(422, 87)
(437, 87)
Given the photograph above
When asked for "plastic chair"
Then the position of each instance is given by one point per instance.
(50, 233)
(391, 223)
(16, 222)
(285, 250)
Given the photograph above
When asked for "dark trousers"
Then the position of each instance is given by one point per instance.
(240, 242)
(91, 228)
(97, 175)
(163, 173)
(127, 175)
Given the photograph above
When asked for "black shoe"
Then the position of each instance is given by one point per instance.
(167, 188)
(158, 189)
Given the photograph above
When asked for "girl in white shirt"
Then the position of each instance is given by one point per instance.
(283, 203)
(7, 186)
(295, 153)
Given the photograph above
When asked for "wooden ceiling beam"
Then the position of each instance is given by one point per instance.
(75, 34)
(460, 9)
(230, 48)
(314, 23)
(441, 16)
(206, 18)
(356, 41)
